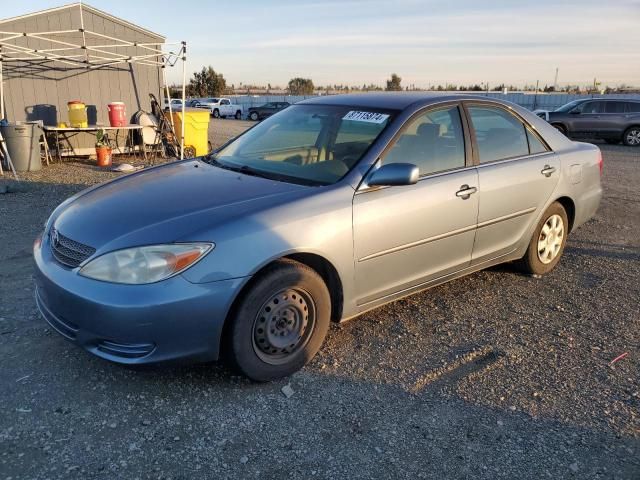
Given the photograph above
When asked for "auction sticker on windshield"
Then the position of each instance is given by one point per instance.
(369, 117)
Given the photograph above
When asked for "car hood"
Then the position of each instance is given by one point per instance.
(175, 202)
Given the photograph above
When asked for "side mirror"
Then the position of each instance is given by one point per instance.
(394, 174)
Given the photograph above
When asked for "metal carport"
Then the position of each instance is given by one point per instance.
(77, 50)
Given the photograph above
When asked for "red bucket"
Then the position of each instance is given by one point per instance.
(117, 114)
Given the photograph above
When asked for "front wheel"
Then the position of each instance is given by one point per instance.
(548, 241)
(631, 137)
(280, 323)
(254, 116)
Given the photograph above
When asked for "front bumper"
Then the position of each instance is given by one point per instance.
(133, 324)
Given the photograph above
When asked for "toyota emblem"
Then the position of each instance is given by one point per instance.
(55, 237)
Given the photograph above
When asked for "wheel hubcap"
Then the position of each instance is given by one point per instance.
(633, 137)
(283, 325)
(550, 239)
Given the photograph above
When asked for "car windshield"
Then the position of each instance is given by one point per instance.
(568, 106)
(306, 144)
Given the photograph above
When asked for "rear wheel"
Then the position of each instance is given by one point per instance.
(280, 323)
(548, 241)
(238, 115)
(631, 137)
(216, 113)
(254, 116)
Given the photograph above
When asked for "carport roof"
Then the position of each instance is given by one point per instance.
(87, 8)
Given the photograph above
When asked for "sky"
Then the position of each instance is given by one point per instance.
(426, 42)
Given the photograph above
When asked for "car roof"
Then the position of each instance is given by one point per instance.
(635, 100)
(392, 100)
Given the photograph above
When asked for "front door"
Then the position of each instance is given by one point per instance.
(516, 174)
(405, 236)
(586, 118)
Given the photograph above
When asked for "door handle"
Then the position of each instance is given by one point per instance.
(466, 191)
(547, 170)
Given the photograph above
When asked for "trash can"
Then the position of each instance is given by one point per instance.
(196, 130)
(23, 144)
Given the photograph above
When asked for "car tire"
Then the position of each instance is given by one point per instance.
(216, 113)
(548, 241)
(631, 137)
(280, 323)
(254, 116)
(238, 115)
(561, 128)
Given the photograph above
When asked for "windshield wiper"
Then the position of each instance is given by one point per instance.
(247, 170)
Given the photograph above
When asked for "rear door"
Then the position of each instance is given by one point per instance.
(517, 172)
(407, 235)
(611, 123)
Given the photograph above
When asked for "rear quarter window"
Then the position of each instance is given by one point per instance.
(499, 134)
(633, 107)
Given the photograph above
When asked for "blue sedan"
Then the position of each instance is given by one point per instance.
(325, 210)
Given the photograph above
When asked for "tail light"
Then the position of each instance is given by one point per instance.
(600, 161)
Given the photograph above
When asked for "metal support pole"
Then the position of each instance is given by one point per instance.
(1, 86)
(184, 82)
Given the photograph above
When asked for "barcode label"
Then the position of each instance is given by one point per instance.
(369, 117)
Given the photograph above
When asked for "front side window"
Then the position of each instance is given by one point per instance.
(307, 144)
(591, 107)
(499, 134)
(225, 102)
(434, 142)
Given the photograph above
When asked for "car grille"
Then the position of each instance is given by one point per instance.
(67, 251)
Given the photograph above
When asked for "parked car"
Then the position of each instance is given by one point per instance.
(176, 103)
(612, 120)
(266, 110)
(336, 205)
(221, 107)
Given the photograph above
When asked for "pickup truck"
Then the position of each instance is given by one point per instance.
(221, 107)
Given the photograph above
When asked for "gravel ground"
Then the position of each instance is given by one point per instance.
(497, 375)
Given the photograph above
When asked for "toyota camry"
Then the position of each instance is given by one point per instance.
(327, 209)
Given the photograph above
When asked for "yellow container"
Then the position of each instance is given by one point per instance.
(196, 129)
(77, 114)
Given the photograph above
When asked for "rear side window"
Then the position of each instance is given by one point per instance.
(434, 142)
(633, 107)
(499, 134)
(614, 107)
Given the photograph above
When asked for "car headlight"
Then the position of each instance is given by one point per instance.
(146, 264)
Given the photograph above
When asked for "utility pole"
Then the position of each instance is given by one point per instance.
(555, 81)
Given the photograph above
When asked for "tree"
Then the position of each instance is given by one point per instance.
(206, 83)
(301, 86)
(393, 84)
